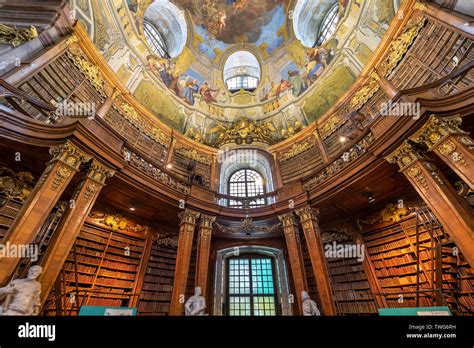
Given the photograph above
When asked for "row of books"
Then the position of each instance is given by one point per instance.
(114, 282)
(156, 296)
(356, 307)
(99, 301)
(160, 272)
(467, 301)
(157, 287)
(397, 244)
(162, 265)
(352, 295)
(467, 285)
(91, 248)
(159, 280)
(121, 266)
(93, 231)
(153, 307)
(116, 274)
(350, 286)
(400, 281)
(395, 271)
(466, 272)
(69, 266)
(345, 269)
(349, 277)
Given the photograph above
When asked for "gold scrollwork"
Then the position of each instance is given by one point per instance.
(61, 175)
(90, 71)
(69, 154)
(99, 172)
(16, 37)
(193, 154)
(415, 173)
(295, 150)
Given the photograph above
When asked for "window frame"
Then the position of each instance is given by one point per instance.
(252, 295)
(155, 40)
(328, 25)
(253, 204)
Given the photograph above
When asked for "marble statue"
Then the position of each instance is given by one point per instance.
(309, 306)
(196, 304)
(22, 296)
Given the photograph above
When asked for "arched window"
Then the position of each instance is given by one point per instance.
(165, 28)
(155, 40)
(246, 183)
(242, 71)
(328, 26)
(315, 21)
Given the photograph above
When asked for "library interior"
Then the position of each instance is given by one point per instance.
(236, 157)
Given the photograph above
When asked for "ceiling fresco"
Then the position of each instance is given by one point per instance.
(221, 23)
(298, 83)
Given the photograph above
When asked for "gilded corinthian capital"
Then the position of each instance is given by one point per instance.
(69, 154)
(287, 219)
(405, 155)
(307, 213)
(189, 216)
(99, 172)
(207, 221)
(437, 129)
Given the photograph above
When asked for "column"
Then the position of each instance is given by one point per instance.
(293, 245)
(454, 146)
(185, 243)
(71, 223)
(312, 235)
(59, 171)
(203, 252)
(451, 209)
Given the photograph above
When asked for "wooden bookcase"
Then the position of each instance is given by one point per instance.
(101, 270)
(157, 285)
(392, 249)
(9, 209)
(351, 288)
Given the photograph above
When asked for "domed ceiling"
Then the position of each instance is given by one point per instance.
(293, 79)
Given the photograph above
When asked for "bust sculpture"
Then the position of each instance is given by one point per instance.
(22, 296)
(196, 304)
(309, 306)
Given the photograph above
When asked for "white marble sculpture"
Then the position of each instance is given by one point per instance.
(309, 306)
(196, 304)
(22, 296)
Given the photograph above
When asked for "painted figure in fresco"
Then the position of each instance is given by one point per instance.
(295, 79)
(22, 296)
(161, 68)
(222, 19)
(191, 86)
(206, 93)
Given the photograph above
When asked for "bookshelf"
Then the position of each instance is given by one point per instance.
(393, 251)
(157, 285)
(9, 209)
(101, 270)
(308, 268)
(352, 293)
